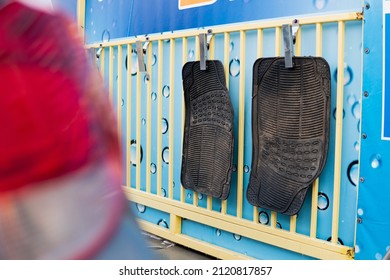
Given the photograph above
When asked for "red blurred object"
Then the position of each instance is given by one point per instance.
(60, 188)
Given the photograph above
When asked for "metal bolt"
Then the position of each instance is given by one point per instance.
(364, 136)
(367, 6)
(362, 179)
(367, 50)
(365, 94)
(359, 220)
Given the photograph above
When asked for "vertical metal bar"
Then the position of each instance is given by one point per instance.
(241, 125)
(159, 115)
(259, 54)
(81, 18)
(184, 58)
(339, 131)
(128, 116)
(148, 115)
(278, 49)
(314, 197)
(119, 92)
(226, 57)
(171, 115)
(111, 73)
(138, 132)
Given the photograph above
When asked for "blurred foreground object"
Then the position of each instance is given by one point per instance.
(60, 168)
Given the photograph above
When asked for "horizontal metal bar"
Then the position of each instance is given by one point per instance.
(191, 242)
(295, 242)
(236, 27)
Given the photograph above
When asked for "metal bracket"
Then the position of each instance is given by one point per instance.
(204, 44)
(141, 51)
(289, 37)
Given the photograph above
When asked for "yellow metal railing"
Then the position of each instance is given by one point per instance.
(178, 208)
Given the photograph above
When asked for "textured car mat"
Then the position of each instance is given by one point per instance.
(290, 130)
(208, 132)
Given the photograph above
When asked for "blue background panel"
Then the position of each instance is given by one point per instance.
(365, 155)
(373, 211)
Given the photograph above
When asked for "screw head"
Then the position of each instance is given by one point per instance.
(364, 136)
(362, 179)
(365, 94)
(367, 6)
(367, 50)
(359, 220)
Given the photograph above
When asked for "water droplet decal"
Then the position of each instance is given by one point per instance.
(237, 237)
(133, 152)
(376, 161)
(164, 126)
(162, 223)
(357, 146)
(141, 208)
(352, 173)
(153, 168)
(378, 256)
(154, 59)
(153, 95)
(320, 4)
(263, 218)
(166, 91)
(165, 155)
(106, 36)
(356, 110)
(323, 201)
(348, 75)
(191, 54)
(351, 99)
(218, 232)
(231, 48)
(335, 113)
(234, 67)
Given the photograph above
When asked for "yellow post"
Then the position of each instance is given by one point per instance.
(148, 116)
(184, 58)
(171, 115)
(241, 125)
(128, 115)
(339, 131)
(81, 18)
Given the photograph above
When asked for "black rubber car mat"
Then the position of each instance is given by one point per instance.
(290, 130)
(208, 141)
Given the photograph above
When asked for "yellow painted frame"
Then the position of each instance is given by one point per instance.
(291, 240)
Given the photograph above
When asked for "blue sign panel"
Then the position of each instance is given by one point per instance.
(130, 18)
(386, 72)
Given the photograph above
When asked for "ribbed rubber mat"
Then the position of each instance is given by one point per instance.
(208, 132)
(290, 130)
